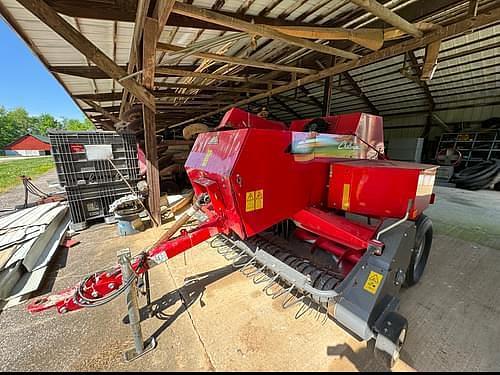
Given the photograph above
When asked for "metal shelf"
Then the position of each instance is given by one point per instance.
(486, 140)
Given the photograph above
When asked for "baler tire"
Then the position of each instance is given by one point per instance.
(421, 250)
(390, 341)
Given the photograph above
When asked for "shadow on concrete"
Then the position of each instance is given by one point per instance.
(363, 359)
(193, 289)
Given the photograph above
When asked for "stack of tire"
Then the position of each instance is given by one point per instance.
(480, 176)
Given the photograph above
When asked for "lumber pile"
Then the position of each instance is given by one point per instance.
(172, 153)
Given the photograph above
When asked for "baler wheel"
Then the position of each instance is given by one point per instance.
(421, 250)
(391, 339)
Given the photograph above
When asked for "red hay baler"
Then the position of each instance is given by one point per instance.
(314, 212)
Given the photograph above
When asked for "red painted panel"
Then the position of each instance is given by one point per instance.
(255, 165)
(28, 142)
(239, 119)
(381, 188)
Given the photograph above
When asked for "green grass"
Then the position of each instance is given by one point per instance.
(11, 170)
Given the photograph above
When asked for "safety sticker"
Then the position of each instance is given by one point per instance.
(373, 282)
(205, 159)
(259, 199)
(346, 197)
(254, 200)
(250, 201)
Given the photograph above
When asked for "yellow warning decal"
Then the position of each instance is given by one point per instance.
(373, 282)
(254, 200)
(346, 197)
(259, 199)
(205, 159)
(250, 201)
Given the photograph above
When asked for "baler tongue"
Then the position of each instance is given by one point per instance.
(295, 279)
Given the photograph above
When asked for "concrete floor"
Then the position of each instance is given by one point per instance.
(215, 319)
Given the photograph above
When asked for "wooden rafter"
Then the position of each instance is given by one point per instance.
(60, 26)
(361, 94)
(421, 83)
(184, 73)
(140, 17)
(311, 97)
(430, 60)
(101, 110)
(285, 106)
(161, 13)
(377, 9)
(208, 88)
(369, 38)
(257, 29)
(398, 49)
(238, 60)
(473, 5)
(327, 96)
(90, 72)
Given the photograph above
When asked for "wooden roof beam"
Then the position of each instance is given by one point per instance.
(221, 77)
(286, 107)
(430, 60)
(90, 72)
(387, 15)
(125, 11)
(369, 38)
(395, 50)
(258, 29)
(422, 83)
(60, 26)
(140, 18)
(101, 110)
(238, 60)
(362, 95)
(208, 88)
(112, 96)
(311, 97)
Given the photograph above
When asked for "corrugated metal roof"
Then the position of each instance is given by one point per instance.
(467, 73)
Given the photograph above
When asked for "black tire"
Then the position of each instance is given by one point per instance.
(421, 250)
(392, 336)
(478, 171)
(486, 174)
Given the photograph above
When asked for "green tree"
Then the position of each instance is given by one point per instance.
(44, 122)
(72, 124)
(17, 122)
(13, 124)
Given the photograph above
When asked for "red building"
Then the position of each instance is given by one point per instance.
(28, 145)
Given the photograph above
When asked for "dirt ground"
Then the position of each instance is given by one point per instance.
(214, 318)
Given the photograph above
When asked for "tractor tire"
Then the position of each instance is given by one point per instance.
(420, 253)
(391, 339)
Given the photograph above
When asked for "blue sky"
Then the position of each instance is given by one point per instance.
(25, 82)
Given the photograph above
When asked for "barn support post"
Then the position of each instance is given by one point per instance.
(149, 118)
